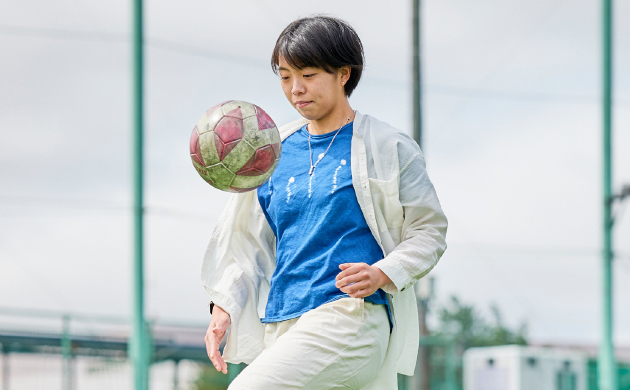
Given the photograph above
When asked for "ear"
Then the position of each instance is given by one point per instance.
(344, 74)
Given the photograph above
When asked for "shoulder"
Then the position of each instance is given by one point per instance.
(386, 139)
(291, 127)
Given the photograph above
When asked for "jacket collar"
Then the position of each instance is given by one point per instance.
(292, 127)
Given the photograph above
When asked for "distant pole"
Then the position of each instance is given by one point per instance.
(5, 368)
(607, 370)
(417, 73)
(451, 365)
(425, 292)
(175, 374)
(66, 353)
(423, 367)
(421, 377)
(138, 344)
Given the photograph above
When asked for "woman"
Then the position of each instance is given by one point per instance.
(313, 270)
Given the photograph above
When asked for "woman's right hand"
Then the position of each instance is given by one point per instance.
(219, 324)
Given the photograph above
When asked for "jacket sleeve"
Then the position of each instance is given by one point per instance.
(240, 258)
(423, 232)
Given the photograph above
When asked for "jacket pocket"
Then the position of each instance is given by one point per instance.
(387, 207)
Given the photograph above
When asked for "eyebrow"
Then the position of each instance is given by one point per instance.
(288, 70)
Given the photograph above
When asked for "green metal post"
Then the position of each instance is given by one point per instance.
(451, 365)
(403, 382)
(139, 350)
(606, 363)
(234, 370)
(176, 375)
(5, 367)
(417, 79)
(420, 380)
(66, 353)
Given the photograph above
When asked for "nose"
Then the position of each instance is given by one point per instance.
(297, 86)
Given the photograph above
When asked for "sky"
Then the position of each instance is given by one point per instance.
(512, 138)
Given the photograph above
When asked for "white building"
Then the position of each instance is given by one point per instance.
(514, 367)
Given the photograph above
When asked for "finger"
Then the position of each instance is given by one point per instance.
(352, 275)
(361, 293)
(218, 333)
(222, 364)
(352, 269)
(212, 354)
(213, 338)
(344, 271)
(351, 279)
(352, 288)
(215, 355)
(345, 266)
(209, 351)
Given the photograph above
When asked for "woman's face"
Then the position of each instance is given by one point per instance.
(312, 91)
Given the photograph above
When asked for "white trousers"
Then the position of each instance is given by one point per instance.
(339, 345)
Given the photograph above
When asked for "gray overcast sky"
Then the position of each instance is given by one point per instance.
(512, 139)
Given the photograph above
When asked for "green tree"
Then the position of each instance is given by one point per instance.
(465, 324)
(467, 327)
(211, 379)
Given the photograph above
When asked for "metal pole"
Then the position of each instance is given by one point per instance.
(176, 375)
(607, 371)
(138, 345)
(5, 368)
(417, 90)
(66, 353)
(403, 382)
(451, 365)
(423, 366)
(420, 379)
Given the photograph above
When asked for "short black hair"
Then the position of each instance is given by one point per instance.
(321, 42)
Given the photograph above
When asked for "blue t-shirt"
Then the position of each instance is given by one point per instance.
(318, 224)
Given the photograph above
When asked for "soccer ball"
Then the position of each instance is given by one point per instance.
(235, 146)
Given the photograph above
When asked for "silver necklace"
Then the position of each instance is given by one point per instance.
(321, 156)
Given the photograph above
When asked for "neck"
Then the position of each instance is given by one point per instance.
(337, 118)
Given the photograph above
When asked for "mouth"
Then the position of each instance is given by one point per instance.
(301, 104)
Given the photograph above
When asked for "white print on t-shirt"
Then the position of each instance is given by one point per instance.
(291, 180)
(343, 162)
(321, 155)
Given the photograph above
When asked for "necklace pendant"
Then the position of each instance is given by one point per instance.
(310, 171)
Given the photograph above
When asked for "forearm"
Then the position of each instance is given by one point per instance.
(382, 279)
(230, 292)
(423, 245)
(220, 316)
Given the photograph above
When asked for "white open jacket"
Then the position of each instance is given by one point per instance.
(402, 211)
